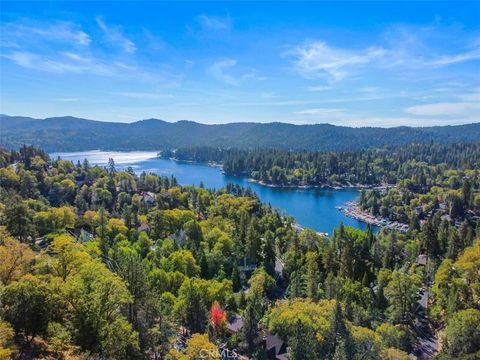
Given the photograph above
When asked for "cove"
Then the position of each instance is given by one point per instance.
(313, 208)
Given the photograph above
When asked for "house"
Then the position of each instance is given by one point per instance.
(143, 227)
(81, 235)
(421, 260)
(235, 324)
(85, 236)
(274, 347)
(179, 237)
(148, 197)
(248, 266)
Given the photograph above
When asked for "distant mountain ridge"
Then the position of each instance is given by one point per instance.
(75, 134)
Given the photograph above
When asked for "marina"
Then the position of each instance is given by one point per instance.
(353, 210)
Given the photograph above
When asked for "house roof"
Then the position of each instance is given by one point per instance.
(274, 342)
(273, 345)
(143, 227)
(236, 324)
(421, 260)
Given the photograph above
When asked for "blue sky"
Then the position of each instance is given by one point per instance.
(346, 63)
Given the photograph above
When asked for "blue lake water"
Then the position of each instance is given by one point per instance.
(313, 208)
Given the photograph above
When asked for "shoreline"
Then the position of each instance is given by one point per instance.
(208, 163)
(270, 185)
(353, 210)
(321, 186)
(299, 229)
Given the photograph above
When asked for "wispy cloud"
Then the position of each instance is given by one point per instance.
(114, 35)
(315, 59)
(61, 63)
(68, 99)
(210, 22)
(319, 88)
(393, 121)
(465, 109)
(429, 46)
(369, 90)
(318, 111)
(401, 47)
(146, 95)
(226, 70)
(219, 70)
(65, 48)
(16, 34)
(457, 58)
(475, 96)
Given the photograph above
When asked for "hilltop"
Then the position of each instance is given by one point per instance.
(76, 134)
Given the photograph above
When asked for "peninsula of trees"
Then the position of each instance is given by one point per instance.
(370, 167)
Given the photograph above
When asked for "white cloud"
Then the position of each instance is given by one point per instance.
(227, 71)
(115, 36)
(76, 57)
(369, 89)
(466, 109)
(317, 59)
(219, 71)
(415, 48)
(393, 121)
(146, 95)
(457, 58)
(318, 111)
(319, 88)
(68, 99)
(427, 46)
(471, 97)
(63, 47)
(59, 64)
(210, 22)
(17, 33)
(72, 63)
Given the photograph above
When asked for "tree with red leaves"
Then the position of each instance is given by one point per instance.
(217, 316)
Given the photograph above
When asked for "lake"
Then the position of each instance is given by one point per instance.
(313, 208)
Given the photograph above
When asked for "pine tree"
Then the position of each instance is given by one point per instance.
(312, 281)
(442, 236)
(342, 343)
(268, 252)
(346, 261)
(302, 343)
(454, 246)
(429, 239)
(236, 281)
(297, 285)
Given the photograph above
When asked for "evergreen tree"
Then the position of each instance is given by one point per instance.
(429, 239)
(268, 252)
(236, 281)
(302, 344)
(313, 277)
(454, 244)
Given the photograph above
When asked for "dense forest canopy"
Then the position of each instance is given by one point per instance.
(74, 134)
(375, 166)
(109, 264)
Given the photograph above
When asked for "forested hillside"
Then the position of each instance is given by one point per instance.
(102, 263)
(74, 134)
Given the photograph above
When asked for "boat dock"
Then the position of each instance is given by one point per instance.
(353, 210)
